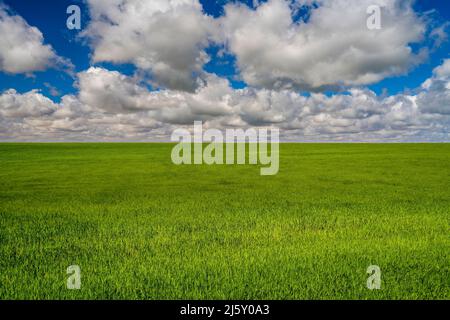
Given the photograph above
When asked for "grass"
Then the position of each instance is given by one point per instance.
(142, 228)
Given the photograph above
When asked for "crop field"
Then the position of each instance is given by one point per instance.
(141, 227)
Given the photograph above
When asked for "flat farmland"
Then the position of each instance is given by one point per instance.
(141, 227)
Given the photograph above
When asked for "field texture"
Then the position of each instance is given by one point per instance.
(142, 228)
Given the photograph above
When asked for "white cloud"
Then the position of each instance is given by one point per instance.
(30, 104)
(333, 48)
(114, 107)
(435, 96)
(22, 48)
(166, 37)
(443, 71)
(439, 34)
(116, 93)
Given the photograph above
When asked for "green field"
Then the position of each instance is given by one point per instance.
(142, 228)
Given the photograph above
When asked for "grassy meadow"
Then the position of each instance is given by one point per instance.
(142, 228)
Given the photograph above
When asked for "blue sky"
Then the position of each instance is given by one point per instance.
(49, 16)
(129, 81)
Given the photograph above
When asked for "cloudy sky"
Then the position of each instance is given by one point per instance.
(138, 69)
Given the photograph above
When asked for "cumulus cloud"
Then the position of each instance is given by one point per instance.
(333, 47)
(164, 37)
(30, 104)
(22, 48)
(114, 107)
(435, 97)
(116, 93)
(443, 71)
(277, 55)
